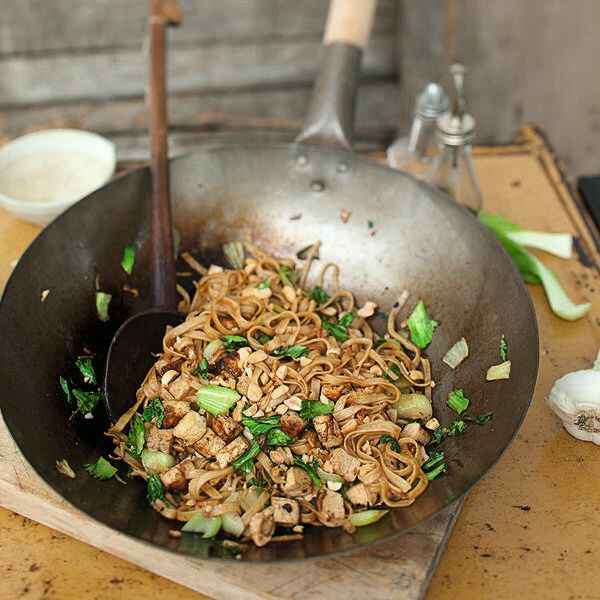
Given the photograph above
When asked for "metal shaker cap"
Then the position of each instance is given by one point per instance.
(457, 128)
(432, 101)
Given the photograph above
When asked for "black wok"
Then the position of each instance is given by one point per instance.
(283, 197)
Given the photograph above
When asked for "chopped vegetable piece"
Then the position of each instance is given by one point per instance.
(212, 348)
(339, 332)
(261, 425)
(413, 406)
(86, 401)
(277, 437)
(247, 459)
(135, 438)
(154, 411)
(326, 476)
(314, 408)
(233, 524)
(102, 302)
(155, 489)
(233, 342)
(128, 259)
(234, 252)
(64, 468)
(441, 433)
(207, 526)
(503, 349)
(346, 319)
(101, 469)
(157, 462)
(264, 284)
(501, 371)
(479, 419)
(86, 368)
(456, 428)
(367, 517)
(456, 354)
(393, 442)
(216, 399)
(434, 473)
(457, 401)
(263, 338)
(311, 470)
(437, 458)
(319, 295)
(534, 271)
(64, 384)
(202, 369)
(421, 326)
(287, 275)
(294, 352)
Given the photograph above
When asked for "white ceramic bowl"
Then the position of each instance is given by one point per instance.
(43, 173)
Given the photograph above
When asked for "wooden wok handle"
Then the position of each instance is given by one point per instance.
(162, 262)
(350, 21)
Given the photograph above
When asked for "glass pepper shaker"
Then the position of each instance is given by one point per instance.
(453, 170)
(414, 153)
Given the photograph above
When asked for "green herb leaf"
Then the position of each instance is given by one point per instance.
(202, 369)
(481, 419)
(503, 349)
(457, 401)
(263, 338)
(86, 368)
(86, 401)
(421, 326)
(339, 332)
(102, 302)
(287, 275)
(135, 438)
(155, 489)
(319, 295)
(261, 425)
(435, 459)
(258, 482)
(315, 408)
(441, 433)
(264, 284)
(64, 384)
(233, 342)
(216, 399)
(128, 259)
(277, 437)
(101, 469)
(393, 442)
(246, 461)
(346, 319)
(311, 470)
(294, 352)
(456, 428)
(395, 369)
(154, 410)
(434, 473)
(379, 342)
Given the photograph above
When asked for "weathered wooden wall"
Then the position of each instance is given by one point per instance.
(534, 60)
(236, 66)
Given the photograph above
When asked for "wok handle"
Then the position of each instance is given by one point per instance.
(330, 118)
(162, 262)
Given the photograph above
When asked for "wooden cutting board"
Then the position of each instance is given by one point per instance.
(400, 569)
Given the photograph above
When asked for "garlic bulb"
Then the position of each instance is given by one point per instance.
(575, 398)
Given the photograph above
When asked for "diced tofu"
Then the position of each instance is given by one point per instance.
(210, 444)
(345, 465)
(297, 482)
(175, 410)
(358, 494)
(232, 451)
(287, 511)
(262, 527)
(191, 428)
(159, 439)
(188, 468)
(328, 431)
(333, 506)
(173, 479)
(291, 424)
(226, 427)
(180, 388)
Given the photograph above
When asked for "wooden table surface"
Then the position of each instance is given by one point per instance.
(531, 528)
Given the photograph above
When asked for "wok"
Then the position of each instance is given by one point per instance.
(282, 197)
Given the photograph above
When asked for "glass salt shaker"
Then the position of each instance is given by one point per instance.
(453, 170)
(414, 153)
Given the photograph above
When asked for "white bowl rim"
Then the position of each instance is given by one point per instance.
(108, 152)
